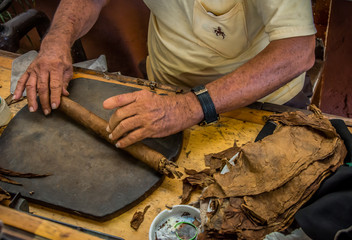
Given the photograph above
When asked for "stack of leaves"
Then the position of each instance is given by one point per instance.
(272, 178)
(4, 174)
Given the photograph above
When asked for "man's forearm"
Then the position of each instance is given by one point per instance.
(280, 62)
(73, 19)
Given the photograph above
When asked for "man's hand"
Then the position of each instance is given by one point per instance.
(51, 71)
(144, 114)
(48, 75)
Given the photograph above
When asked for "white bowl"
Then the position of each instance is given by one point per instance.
(165, 221)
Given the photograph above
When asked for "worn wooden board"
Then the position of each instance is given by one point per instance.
(89, 176)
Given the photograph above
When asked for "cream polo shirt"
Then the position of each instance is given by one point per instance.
(194, 42)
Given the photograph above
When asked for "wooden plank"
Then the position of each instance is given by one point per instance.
(40, 227)
(248, 115)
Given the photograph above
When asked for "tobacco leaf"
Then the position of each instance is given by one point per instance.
(138, 218)
(282, 155)
(10, 173)
(23, 175)
(273, 178)
(4, 195)
(271, 204)
(7, 180)
(195, 180)
(314, 121)
(187, 190)
(203, 178)
(217, 161)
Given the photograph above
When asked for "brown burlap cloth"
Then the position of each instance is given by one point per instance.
(270, 179)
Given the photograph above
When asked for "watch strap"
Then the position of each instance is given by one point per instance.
(207, 104)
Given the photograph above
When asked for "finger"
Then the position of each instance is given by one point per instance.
(21, 85)
(124, 127)
(68, 74)
(43, 91)
(64, 89)
(56, 78)
(119, 115)
(119, 100)
(131, 138)
(31, 88)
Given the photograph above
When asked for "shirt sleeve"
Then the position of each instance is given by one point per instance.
(286, 18)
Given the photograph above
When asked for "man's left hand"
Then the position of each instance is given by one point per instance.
(144, 114)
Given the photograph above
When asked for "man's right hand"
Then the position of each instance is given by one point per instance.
(48, 75)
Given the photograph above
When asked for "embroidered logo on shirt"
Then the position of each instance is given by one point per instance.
(218, 32)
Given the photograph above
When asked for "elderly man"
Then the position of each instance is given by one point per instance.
(230, 52)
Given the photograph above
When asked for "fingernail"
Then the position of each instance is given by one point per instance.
(53, 106)
(46, 111)
(31, 109)
(108, 129)
(13, 97)
(117, 145)
(110, 136)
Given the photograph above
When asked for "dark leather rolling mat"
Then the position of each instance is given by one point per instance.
(89, 177)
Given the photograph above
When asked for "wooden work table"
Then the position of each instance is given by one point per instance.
(198, 141)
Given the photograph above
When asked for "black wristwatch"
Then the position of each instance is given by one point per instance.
(207, 104)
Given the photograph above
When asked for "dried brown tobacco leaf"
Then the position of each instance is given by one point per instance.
(187, 190)
(271, 204)
(7, 180)
(274, 177)
(217, 161)
(4, 195)
(194, 180)
(138, 218)
(279, 156)
(315, 121)
(10, 173)
(202, 178)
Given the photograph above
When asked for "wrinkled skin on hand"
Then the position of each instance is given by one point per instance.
(48, 75)
(144, 114)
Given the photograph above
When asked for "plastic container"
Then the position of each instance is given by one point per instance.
(181, 219)
(5, 113)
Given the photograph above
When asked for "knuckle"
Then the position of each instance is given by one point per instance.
(30, 85)
(145, 93)
(128, 140)
(55, 86)
(40, 66)
(124, 126)
(42, 89)
(114, 119)
(135, 137)
(116, 115)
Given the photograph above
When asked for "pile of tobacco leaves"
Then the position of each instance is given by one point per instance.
(268, 181)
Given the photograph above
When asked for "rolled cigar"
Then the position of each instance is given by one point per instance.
(140, 151)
